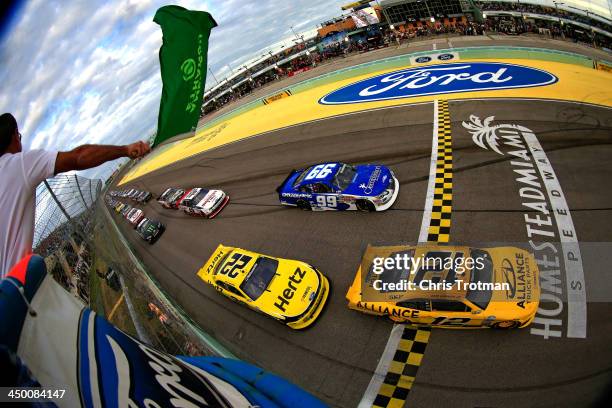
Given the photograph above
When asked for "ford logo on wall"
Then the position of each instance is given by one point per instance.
(440, 79)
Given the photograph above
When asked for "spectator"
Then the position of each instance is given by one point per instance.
(21, 172)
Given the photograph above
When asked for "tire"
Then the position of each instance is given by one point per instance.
(507, 324)
(304, 205)
(365, 205)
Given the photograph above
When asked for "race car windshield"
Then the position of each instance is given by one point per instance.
(176, 195)
(144, 225)
(301, 176)
(199, 197)
(260, 276)
(166, 194)
(345, 176)
(481, 297)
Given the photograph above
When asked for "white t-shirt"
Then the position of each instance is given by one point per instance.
(20, 173)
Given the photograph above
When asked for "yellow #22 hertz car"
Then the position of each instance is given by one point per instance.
(292, 292)
(465, 301)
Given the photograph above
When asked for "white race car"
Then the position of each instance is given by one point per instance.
(134, 217)
(203, 202)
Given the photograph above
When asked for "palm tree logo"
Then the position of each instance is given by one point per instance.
(483, 134)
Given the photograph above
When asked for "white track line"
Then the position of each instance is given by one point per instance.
(423, 234)
(396, 332)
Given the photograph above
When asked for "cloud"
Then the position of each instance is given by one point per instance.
(88, 72)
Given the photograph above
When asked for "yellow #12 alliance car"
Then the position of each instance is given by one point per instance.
(499, 288)
(292, 292)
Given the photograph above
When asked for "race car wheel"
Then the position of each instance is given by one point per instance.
(304, 205)
(365, 205)
(508, 324)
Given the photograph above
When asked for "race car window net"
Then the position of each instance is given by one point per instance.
(481, 297)
(321, 188)
(230, 288)
(345, 177)
(259, 277)
(418, 304)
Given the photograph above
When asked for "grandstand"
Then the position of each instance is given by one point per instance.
(390, 22)
(62, 233)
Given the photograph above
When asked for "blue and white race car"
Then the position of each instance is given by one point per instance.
(340, 186)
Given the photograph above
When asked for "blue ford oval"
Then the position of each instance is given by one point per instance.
(440, 79)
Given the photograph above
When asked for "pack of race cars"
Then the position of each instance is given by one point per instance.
(295, 293)
(196, 201)
(138, 196)
(149, 230)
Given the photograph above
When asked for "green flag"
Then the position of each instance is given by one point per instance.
(182, 59)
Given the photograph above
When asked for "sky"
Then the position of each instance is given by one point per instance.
(87, 72)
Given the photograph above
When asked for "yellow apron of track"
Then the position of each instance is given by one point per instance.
(575, 83)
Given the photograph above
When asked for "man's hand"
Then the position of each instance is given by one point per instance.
(138, 149)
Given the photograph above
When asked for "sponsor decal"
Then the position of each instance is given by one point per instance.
(276, 97)
(117, 370)
(523, 281)
(603, 66)
(367, 188)
(213, 263)
(188, 68)
(211, 196)
(207, 136)
(509, 276)
(542, 196)
(386, 310)
(446, 57)
(440, 79)
(192, 70)
(288, 293)
(424, 59)
(296, 195)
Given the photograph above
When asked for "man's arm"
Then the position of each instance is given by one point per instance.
(88, 156)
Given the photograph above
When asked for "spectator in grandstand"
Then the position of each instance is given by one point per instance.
(21, 172)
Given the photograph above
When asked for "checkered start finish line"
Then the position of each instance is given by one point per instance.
(402, 372)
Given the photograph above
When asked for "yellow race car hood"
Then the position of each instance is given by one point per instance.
(518, 271)
(292, 290)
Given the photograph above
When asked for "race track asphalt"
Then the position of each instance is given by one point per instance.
(336, 357)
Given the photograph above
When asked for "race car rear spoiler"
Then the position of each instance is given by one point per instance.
(280, 187)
